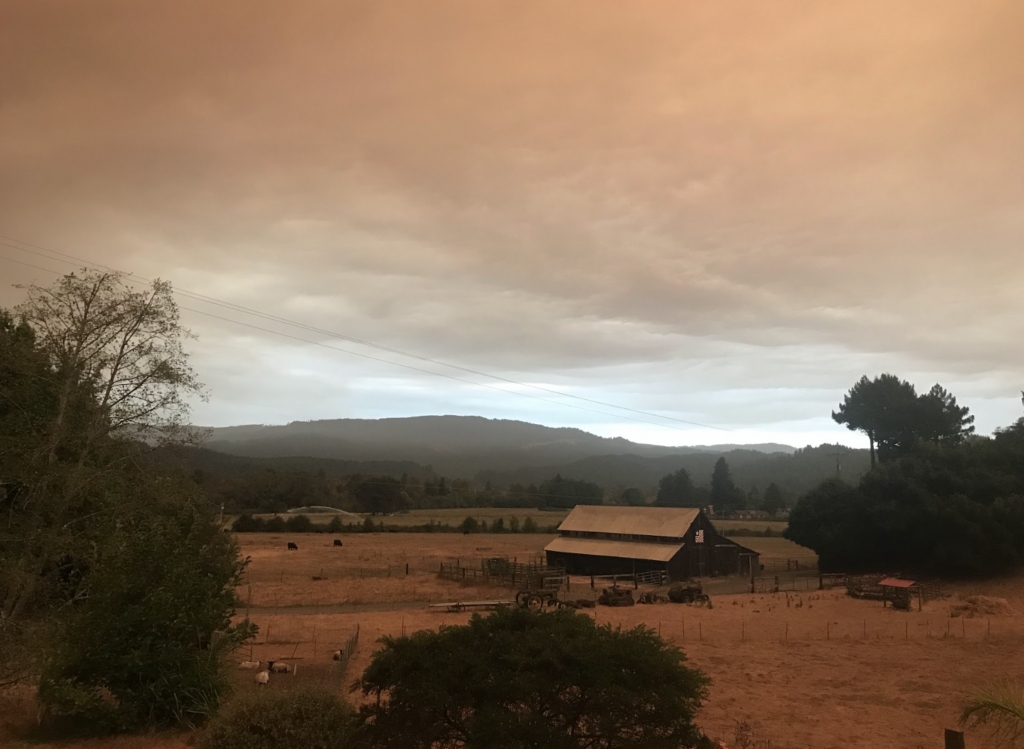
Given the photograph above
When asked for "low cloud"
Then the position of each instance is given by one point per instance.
(723, 213)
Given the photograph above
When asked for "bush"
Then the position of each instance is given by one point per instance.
(298, 524)
(306, 717)
(248, 524)
(275, 524)
(519, 678)
(147, 646)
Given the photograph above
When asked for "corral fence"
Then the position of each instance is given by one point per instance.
(345, 654)
(304, 665)
(653, 577)
(501, 571)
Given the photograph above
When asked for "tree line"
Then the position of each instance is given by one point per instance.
(940, 500)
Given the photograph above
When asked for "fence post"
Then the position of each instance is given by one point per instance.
(954, 739)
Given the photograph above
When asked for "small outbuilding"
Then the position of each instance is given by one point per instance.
(899, 593)
(612, 540)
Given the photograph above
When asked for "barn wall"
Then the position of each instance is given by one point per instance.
(586, 564)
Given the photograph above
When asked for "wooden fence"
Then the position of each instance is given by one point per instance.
(501, 571)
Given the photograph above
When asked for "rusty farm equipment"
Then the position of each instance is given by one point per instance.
(615, 596)
(688, 593)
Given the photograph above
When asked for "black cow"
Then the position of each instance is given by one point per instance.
(337, 542)
(292, 546)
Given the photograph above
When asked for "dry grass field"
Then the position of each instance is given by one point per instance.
(813, 669)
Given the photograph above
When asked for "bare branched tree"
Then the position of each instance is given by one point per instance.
(90, 364)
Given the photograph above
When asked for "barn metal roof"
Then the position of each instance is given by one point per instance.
(892, 582)
(669, 522)
(622, 549)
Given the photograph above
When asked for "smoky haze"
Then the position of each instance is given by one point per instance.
(725, 213)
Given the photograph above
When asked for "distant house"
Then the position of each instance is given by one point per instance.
(605, 540)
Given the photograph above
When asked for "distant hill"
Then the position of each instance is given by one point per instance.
(503, 452)
(456, 446)
(224, 464)
(767, 447)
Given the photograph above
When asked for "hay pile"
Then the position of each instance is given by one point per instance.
(972, 606)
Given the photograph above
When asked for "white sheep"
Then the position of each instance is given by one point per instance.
(337, 655)
(263, 678)
(281, 668)
(249, 665)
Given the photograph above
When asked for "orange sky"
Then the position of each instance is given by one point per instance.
(725, 212)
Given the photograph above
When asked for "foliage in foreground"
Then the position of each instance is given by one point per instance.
(518, 678)
(147, 646)
(1001, 709)
(306, 718)
(114, 577)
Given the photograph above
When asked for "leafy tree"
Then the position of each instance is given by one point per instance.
(895, 419)
(676, 490)
(469, 525)
(248, 524)
(298, 524)
(517, 678)
(773, 501)
(89, 370)
(498, 526)
(885, 409)
(308, 717)
(335, 525)
(943, 422)
(529, 525)
(633, 497)
(726, 497)
(378, 495)
(140, 647)
(563, 492)
(940, 511)
(513, 524)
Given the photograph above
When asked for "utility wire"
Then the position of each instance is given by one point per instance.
(257, 313)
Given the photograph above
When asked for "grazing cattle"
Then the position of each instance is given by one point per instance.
(249, 665)
(262, 678)
(337, 542)
(292, 546)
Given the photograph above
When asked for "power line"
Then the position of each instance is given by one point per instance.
(48, 254)
(341, 336)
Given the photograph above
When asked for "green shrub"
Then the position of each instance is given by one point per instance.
(275, 524)
(306, 718)
(248, 524)
(299, 524)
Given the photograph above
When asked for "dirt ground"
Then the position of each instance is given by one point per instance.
(371, 567)
(811, 669)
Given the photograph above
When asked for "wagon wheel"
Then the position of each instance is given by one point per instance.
(553, 603)
(687, 596)
(534, 603)
(521, 597)
(703, 599)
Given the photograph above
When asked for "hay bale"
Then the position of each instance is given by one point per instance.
(970, 607)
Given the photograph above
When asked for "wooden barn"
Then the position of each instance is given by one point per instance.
(605, 540)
